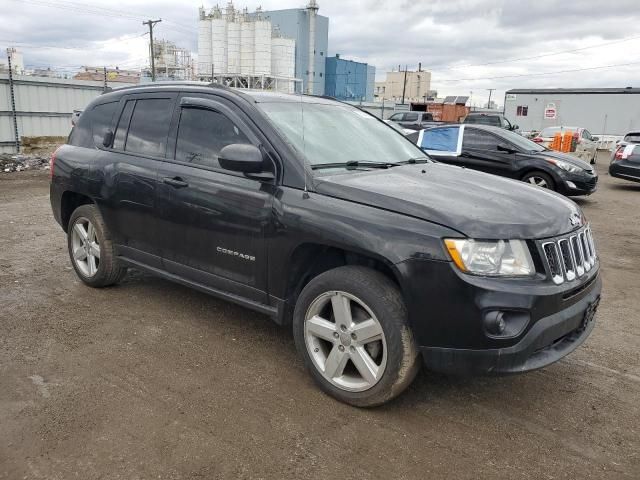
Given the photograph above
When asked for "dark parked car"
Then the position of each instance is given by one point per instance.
(629, 138)
(414, 120)
(334, 225)
(490, 119)
(626, 163)
(501, 152)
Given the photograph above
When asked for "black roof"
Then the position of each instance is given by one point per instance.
(570, 91)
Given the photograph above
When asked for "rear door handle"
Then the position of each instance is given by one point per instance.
(176, 182)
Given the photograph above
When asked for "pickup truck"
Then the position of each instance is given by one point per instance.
(331, 223)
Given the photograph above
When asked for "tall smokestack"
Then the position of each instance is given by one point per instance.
(312, 11)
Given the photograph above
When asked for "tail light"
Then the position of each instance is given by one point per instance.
(576, 137)
(619, 153)
(537, 140)
(52, 162)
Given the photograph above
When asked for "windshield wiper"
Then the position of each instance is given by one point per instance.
(411, 161)
(353, 164)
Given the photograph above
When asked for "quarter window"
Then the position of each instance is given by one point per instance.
(202, 134)
(101, 117)
(149, 127)
(441, 140)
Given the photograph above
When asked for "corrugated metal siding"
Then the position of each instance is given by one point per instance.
(589, 110)
(349, 80)
(44, 106)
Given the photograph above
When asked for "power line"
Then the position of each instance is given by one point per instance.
(85, 9)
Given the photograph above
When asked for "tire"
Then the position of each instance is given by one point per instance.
(104, 270)
(373, 299)
(541, 179)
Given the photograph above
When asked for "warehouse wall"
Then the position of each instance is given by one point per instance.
(43, 105)
(621, 111)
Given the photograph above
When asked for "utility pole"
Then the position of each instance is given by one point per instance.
(404, 84)
(490, 92)
(105, 79)
(151, 24)
(13, 101)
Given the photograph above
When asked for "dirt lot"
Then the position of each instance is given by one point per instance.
(153, 380)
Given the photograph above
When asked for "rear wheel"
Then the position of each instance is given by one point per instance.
(90, 248)
(350, 326)
(540, 179)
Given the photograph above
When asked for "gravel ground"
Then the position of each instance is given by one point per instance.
(153, 380)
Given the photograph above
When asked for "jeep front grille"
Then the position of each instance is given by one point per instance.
(570, 257)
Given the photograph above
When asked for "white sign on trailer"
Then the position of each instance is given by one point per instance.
(550, 112)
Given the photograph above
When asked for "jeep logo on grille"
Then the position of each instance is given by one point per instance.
(574, 219)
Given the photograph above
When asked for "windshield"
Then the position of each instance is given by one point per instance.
(338, 133)
(521, 142)
(483, 120)
(551, 131)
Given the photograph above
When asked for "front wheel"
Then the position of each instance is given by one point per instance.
(350, 326)
(540, 179)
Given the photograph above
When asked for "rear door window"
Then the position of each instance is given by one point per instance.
(479, 140)
(202, 134)
(149, 127)
(441, 141)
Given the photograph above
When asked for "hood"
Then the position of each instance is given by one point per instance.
(565, 157)
(476, 204)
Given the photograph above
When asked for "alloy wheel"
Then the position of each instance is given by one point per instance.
(85, 247)
(539, 181)
(345, 341)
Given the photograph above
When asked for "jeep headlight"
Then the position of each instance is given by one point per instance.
(491, 257)
(566, 166)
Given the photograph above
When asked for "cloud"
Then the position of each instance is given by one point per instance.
(445, 35)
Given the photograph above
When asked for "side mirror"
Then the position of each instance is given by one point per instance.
(243, 158)
(503, 147)
(515, 127)
(595, 139)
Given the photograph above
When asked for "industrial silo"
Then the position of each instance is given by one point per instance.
(263, 52)
(219, 42)
(204, 44)
(283, 61)
(247, 46)
(233, 47)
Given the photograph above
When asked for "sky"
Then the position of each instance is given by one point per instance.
(470, 46)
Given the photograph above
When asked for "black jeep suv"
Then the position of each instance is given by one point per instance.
(331, 222)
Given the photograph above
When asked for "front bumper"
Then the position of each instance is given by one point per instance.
(447, 312)
(550, 339)
(578, 184)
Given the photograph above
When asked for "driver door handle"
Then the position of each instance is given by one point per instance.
(176, 182)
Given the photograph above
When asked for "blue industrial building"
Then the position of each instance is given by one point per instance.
(297, 23)
(349, 80)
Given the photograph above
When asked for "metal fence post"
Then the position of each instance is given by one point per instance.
(13, 102)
